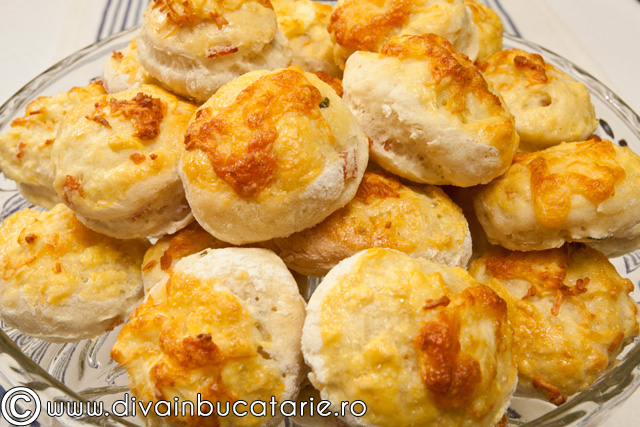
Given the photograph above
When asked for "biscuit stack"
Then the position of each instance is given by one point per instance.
(224, 130)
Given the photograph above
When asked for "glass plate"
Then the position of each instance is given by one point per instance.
(84, 371)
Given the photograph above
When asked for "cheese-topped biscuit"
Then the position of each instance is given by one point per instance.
(570, 311)
(489, 28)
(577, 191)
(123, 71)
(271, 153)
(420, 221)
(417, 342)
(195, 46)
(25, 150)
(61, 281)
(368, 24)
(166, 252)
(304, 23)
(225, 326)
(431, 116)
(549, 106)
(124, 180)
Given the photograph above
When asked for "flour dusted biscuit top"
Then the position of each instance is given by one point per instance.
(419, 343)
(195, 46)
(578, 191)
(304, 23)
(431, 116)
(123, 71)
(420, 221)
(166, 252)
(549, 106)
(570, 311)
(271, 153)
(367, 24)
(489, 28)
(226, 324)
(25, 150)
(61, 281)
(116, 162)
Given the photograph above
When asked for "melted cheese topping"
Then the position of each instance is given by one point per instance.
(25, 150)
(549, 106)
(366, 26)
(269, 139)
(570, 310)
(126, 138)
(195, 336)
(411, 361)
(51, 259)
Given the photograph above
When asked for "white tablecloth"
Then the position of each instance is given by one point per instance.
(600, 36)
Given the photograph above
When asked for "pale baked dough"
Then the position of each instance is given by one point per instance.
(123, 71)
(124, 180)
(419, 343)
(489, 28)
(62, 282)
(431, 116)
(25, 150)
(226, 324)
(577, 191)
(270, 154)
(420, 221)
(549, 106)
(366, 24)
(195, 46)
(304, 23)
(571, 314)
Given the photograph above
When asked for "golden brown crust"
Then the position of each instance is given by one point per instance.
(249, 165)
(570, 311)
(188, 13)
(145, 112)
(365, 25)
(334, 82)
(551, 192)
(377, 185)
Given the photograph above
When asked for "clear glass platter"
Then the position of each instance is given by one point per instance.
(84, 371)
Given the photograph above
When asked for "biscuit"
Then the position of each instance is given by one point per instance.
(571, 314)
(417, 342)
(304, 23)
(572, 192)
(420, 221)
(123, 71)
(25, 150)
(166, 252)
(431, 116)
(549, 106)
(270, 154)
(124, 181)
(489, 28)
(226, 324)
(195, 47)
(62, 282)
(366, 25)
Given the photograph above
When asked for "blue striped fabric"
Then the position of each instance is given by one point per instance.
(118, 15)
